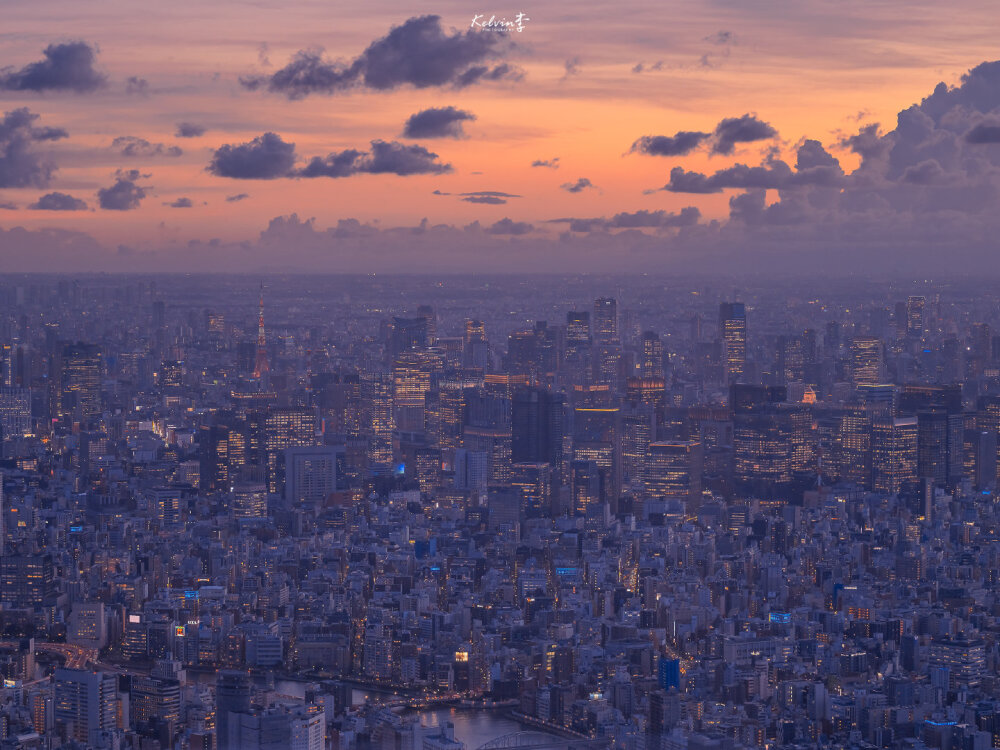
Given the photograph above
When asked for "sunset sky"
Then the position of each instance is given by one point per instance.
(182, 135)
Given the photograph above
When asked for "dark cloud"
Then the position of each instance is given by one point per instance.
(577, 187)
(928, 172)
(643, 68)
(130, 145)
(682, 181)
(550, 163)
(508, 226)
(867, 142)
(422, 54)
(307, 73)
(264, 158)
(726, 135)
(58, 202)
(66, 67)
(20, 165)
(814, 167)
(348, 228)
(419, 53)
(7, 206)
(480, 73)
(398, 158)
(236, 198)
(744, 129)
(125, 194)
(493, 193)
(135, 86)
(384, 158)
(642, 219)
(983, 133)
(437, 122)
(721, 38)
(189, 130)
(490, 200)
(48, 134)
(811, 154)
(180, 203)
(679, 144)
(487, 197)
(572, 67)
(338, 164)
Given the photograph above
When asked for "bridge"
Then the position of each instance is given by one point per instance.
(529, 740)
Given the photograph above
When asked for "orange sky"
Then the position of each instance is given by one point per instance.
(810, 69)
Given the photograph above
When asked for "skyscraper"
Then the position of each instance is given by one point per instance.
(81, 381)
(85, 702)
(915, 315)
(286, 428)
(605, 320)
(866, 360)
(261, 367)
(537, 426)
(733, 333)
(652, 356)
(674, 470)
(894, 454)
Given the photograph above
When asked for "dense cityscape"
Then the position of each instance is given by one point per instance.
(373, 513)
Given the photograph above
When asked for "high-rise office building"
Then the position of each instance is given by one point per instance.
(586, 485)
(866, 360)
(535, 483)
(733, 334)
(81, 381)
(537, 417)
(673, 470)
(248, 500)
(894, 454)
(915, 315)
(605, 320)
(232, 698)
(286, 428)
(652, 356)
(475, 347)
(27, 580)
(85, 702)
(311, 472)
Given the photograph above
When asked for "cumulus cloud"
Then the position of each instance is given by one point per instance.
(418, 53)
(180, 203)
(437, 122)
(264, 158)
(20, 164)
(744, 129)
(550, 163)
(577, 187)
(679, 144)
(509, 227)
(130, 145)
(189, 130)
(125, 194)
(813, 166)
(730, 131)
(237, 198)
(983, 132)
(385, 157)
(64, 67)
(58, 202)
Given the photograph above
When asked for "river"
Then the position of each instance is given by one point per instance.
(473, 726)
